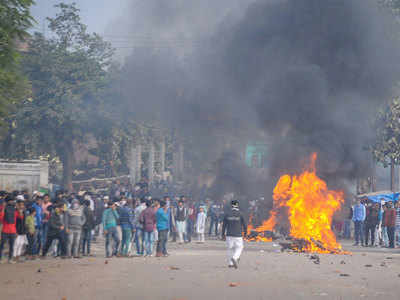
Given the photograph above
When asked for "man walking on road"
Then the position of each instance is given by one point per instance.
(232, 229)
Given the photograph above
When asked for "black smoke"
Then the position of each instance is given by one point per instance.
(303, 75)
(315, 72)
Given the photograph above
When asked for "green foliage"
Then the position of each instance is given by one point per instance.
(15, 19)
(68, 73)
(386, 146)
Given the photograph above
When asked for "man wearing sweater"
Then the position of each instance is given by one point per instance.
(76, 218)
(110, 219)
(8, 217)
(162, 218)
(126, 221)
(148, 219)
(390, 223)
(139, 237)
(56, 228)
(359, 214)
(233, 229)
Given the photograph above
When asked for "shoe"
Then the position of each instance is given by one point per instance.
(2, 261)
(11, 261)
(159, 254)
(78, 257)
(234, 262)
(355, 244)
(231, 266)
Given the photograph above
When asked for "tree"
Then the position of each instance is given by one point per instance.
(386, 146)
(394, 5)
(68, 73)
(15, 19)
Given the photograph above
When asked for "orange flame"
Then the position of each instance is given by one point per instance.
(310, 207)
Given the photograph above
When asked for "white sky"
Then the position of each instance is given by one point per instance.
(97, 14)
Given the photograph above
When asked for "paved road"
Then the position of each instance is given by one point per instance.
(200, 272)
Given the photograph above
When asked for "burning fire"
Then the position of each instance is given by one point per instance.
(310, 208)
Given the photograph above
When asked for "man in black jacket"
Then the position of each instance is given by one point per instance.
(56, 228)
(87, 228)
(233, 228)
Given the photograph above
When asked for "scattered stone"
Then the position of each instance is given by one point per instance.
(344, 275)
(315, 259)
(398, 275)
(174, 268)
(342, 262)
(389, 257)
(364, 254)
(38, 282)
(106, 262)
(383, 264)
(368, 266)
(39, 270)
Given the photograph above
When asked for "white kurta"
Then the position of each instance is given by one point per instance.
(201, 222)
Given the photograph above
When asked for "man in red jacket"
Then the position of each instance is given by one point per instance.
(390, 223)
(8, 217)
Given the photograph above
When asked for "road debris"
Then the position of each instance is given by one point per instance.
(315, 259)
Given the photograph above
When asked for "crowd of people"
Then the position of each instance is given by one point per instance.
(376, 223)
(132, 222)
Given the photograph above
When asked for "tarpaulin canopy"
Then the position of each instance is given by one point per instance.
(385, 196)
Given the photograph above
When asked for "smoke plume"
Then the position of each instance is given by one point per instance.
(302, 75)
(314, 71)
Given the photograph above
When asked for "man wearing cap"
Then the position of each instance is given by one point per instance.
(233, 228)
